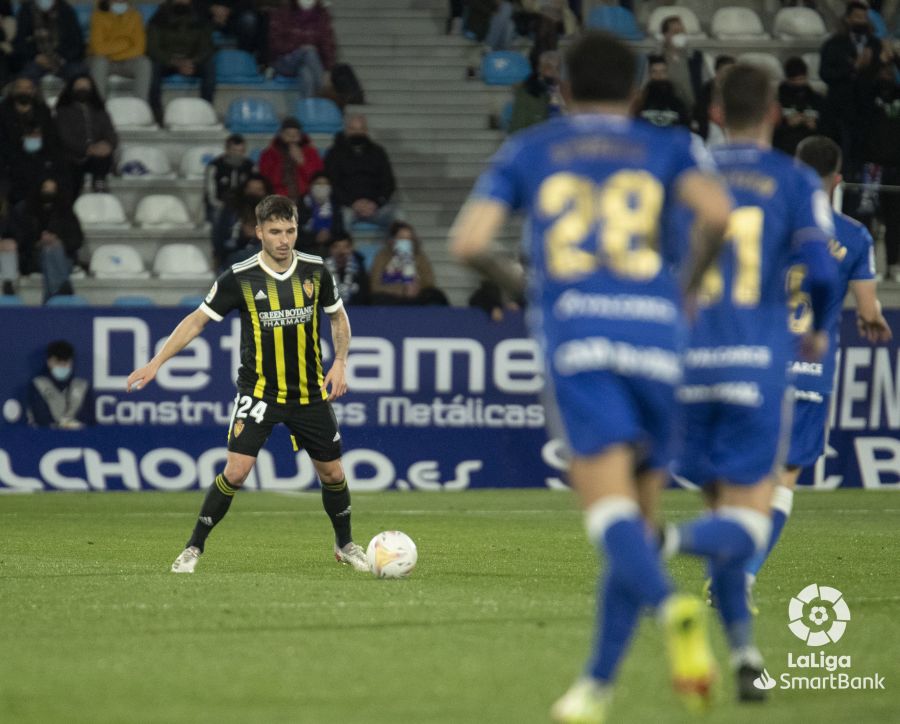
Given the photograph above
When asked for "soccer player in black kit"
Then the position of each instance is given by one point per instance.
(278, 293)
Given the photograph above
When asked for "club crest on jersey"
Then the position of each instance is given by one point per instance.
(308, 287)
(238, 427)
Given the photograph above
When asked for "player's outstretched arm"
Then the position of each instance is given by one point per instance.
(336, 379)
(869, 320)
(471, 236)
(707, 197)
(181, 336)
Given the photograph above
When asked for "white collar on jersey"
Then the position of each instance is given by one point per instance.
(280, 276)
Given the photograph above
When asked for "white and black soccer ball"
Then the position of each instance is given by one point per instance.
(392, 554)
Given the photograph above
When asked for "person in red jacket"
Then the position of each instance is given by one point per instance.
(302, 45)
(290, 161)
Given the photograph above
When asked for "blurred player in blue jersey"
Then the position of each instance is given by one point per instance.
(605, 300)
(736, 363)
(852, 250)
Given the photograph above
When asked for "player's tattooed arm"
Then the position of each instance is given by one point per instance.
(336, 379)
(189, 327)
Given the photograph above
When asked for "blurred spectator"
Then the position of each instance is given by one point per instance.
(700, 121)
(302, 44)
(88, 136)
(179, 40)
(58, 399)
(290, 160)
(547, 21)
(490, 22)
(49, 236)
(537, 98)
(318, 217)
(234, 230)
(454, 22)
(658, 103)
(117, 45)
(801, 107)
(9, 249)
(401, 273)
(241, 20)
(49, 39)
(7, 36)
(225, 175)
(362, 175)
(685, 66)
(849, 67)
(349, 270)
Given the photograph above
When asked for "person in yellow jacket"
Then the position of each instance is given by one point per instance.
(117, 46)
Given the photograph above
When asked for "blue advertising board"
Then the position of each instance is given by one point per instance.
(441, 399)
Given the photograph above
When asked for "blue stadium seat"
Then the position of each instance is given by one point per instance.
(237, 67)
(83, 11)
(251, 115)
(615, 19)
(10, 300)
(506, 116)
(368, 251)
(254, 155)
(191, 300)
(879, 27)
(504, 67)
(147, 11)
(319, 115)
(176, 80)
(133, 300)
(68, 300)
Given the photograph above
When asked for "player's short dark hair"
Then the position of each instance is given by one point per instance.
(746, 95)
(821, 153)
(60, 349)
(723, 60)
(341, 235)
(794, 67)
(275, 207)
(235, 139)
(667, 23)
(600, 67)
(656, 58)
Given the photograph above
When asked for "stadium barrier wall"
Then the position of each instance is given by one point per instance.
(441, 399)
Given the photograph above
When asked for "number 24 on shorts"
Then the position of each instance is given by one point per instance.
(243, 408)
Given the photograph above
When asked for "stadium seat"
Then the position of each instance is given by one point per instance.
(368, 251)
(161, 211)
(506, 116)
(133, 300)
(319, 115)
(812, 61)
(237, 67)
(879, 27)
(130, 114)
(67, 300)
(615, 19)
(736, 23)
(100, 211)
(766, 61)
(181, 260)
(504, 67)
(147, 11)
(251, 115)
(255, 153)
(793, 23)
(688, 18)
(191, 300)
(193, 163)
(83, 11)
(144, 162)
(117, 261)
(176, 81)
(190, 114)
(10, 300)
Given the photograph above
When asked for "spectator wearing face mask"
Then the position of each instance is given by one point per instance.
(88, 136)
(537, 97)
(225, 175)
(57, 399)
(349, 270)
(117, 45)
(801, 107)
(318, 217)
(685, 66)
(50, 236)
(290, 161)
(401, 272)
(361, 173)
(234, 230)
(658, 103)
(49, 39)
(302, 44)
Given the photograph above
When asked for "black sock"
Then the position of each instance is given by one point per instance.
(336, 501)
(215, 505)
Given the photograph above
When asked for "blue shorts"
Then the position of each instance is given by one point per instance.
(601, 408)
(809, 431)
(733, 443)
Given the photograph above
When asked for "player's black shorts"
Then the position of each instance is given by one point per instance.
(313, 427)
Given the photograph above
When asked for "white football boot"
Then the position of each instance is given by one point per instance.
(586, 702)
(187, 561)
(352, 555)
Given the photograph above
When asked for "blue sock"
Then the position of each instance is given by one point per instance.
(728, 583)
(718, 536)
(782, 505)
(634, 579)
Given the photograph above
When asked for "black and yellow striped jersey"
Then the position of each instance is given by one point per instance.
(281, 356)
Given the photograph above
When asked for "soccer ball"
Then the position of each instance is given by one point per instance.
(392, 554)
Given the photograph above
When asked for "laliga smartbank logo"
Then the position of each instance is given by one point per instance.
(818, 616)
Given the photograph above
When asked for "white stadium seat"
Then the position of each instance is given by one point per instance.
(137, 161)
(190, 114)
(735, 23)
(792, 23)
(100, 211)
(130, 113)
(812, 61)
(688, 18)
(117, 261)
(193, 163)
(161, 211)
(766, 61)
(181, 260)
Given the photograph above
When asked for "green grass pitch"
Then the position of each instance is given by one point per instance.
(492, 626)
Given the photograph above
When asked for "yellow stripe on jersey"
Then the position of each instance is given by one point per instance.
(315, 330)
(299, 302)
(278, 334)
(257, 339)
